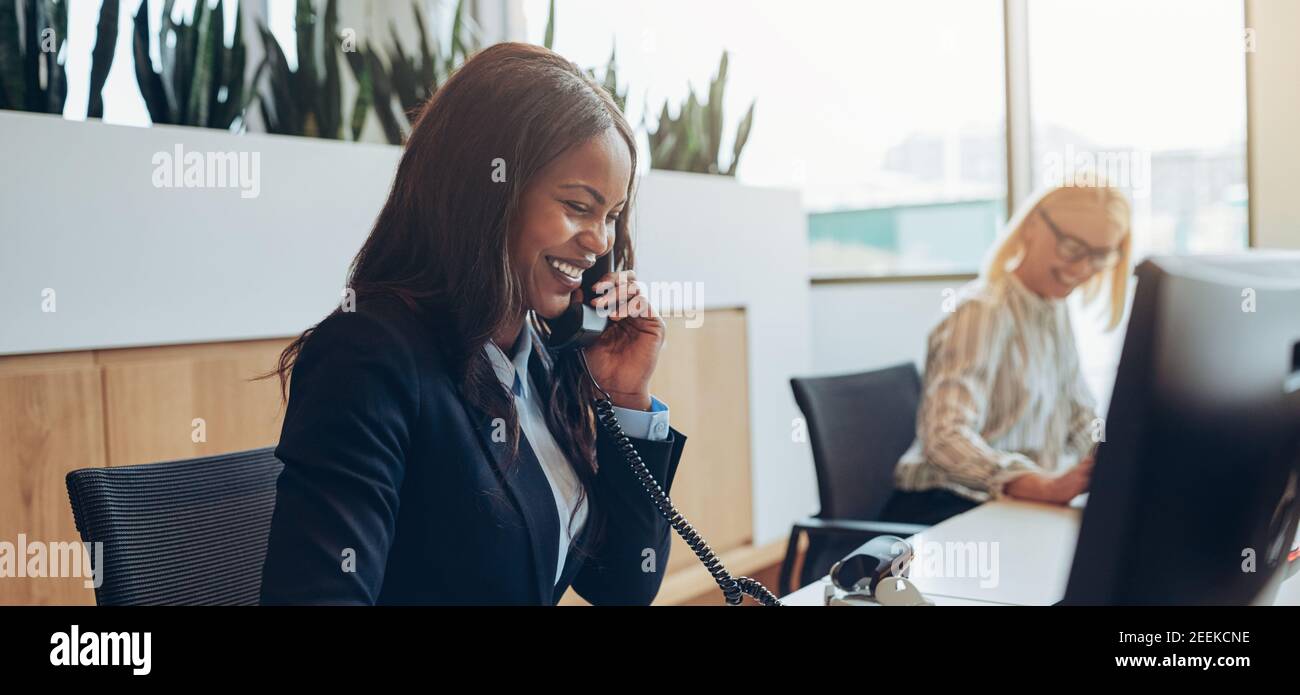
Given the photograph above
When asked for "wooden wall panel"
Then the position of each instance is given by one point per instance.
(128, 406)
(51, 422)
(703, 377)
(152, 397)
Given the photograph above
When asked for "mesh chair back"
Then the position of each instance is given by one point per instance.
(190, 532)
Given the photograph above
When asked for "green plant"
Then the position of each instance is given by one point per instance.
(549, 40)
(463, 41)
(101, 57)
(415, 78)
(692, 140)
(408, 78)
(306, 100)
(201, 81)
(374, 91)
(610, 80)
(31, 69)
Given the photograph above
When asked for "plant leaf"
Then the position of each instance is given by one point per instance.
(713, 115)
(238, 64)
(148, 81)
(383, 98)
(364, 100)
(219, 112)
(285, 118)
(58, 79)
(549, 40)
(742, 137)
(200, 31)
(457, 44)
(330, 112)
(428, 67)
(35, 92)
(12, 83)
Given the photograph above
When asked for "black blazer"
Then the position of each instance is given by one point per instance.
(385, 463)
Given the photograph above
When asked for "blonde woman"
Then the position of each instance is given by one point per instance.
(1004, 409)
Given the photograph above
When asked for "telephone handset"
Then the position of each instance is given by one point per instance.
(581, 326)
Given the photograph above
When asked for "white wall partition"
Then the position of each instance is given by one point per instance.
(746, 247)
(133, 264)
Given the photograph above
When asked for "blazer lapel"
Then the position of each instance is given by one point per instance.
(526, 484)
(572, 562)
(541, 366)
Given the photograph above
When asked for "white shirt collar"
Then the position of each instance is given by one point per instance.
(513, 371)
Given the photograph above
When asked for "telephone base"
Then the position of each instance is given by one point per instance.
(905, 595)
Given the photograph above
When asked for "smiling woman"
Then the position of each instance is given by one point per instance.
(435, 450)
(1051, 262)
(568, 217)
(1005, 410)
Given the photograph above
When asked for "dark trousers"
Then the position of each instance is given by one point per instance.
(927, 507)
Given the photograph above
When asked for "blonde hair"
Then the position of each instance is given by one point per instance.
(1010, 250)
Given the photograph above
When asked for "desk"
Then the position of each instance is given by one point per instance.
(1028, 546)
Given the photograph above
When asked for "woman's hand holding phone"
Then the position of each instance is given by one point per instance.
(624, 358)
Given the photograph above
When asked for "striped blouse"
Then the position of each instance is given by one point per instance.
(1003, 394)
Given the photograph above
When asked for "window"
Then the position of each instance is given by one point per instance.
(886, 116)
(889, 117)
(1155, 93)
(1152, 95)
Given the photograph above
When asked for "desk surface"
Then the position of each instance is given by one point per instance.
(1006, 552)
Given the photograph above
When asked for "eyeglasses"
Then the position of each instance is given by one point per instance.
(1072, 249)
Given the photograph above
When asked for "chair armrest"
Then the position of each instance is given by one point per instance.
(827, 527)
(837, 527)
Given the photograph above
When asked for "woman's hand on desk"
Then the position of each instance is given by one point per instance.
(624, 359)
(1054, 489)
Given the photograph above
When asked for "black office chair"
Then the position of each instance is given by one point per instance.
(860, 424)
(188, 532)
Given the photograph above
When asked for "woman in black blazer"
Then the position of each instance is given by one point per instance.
(435, 451)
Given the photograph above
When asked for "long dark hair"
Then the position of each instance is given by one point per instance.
(441, 244)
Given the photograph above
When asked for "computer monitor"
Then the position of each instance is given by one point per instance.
(1196, 491)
